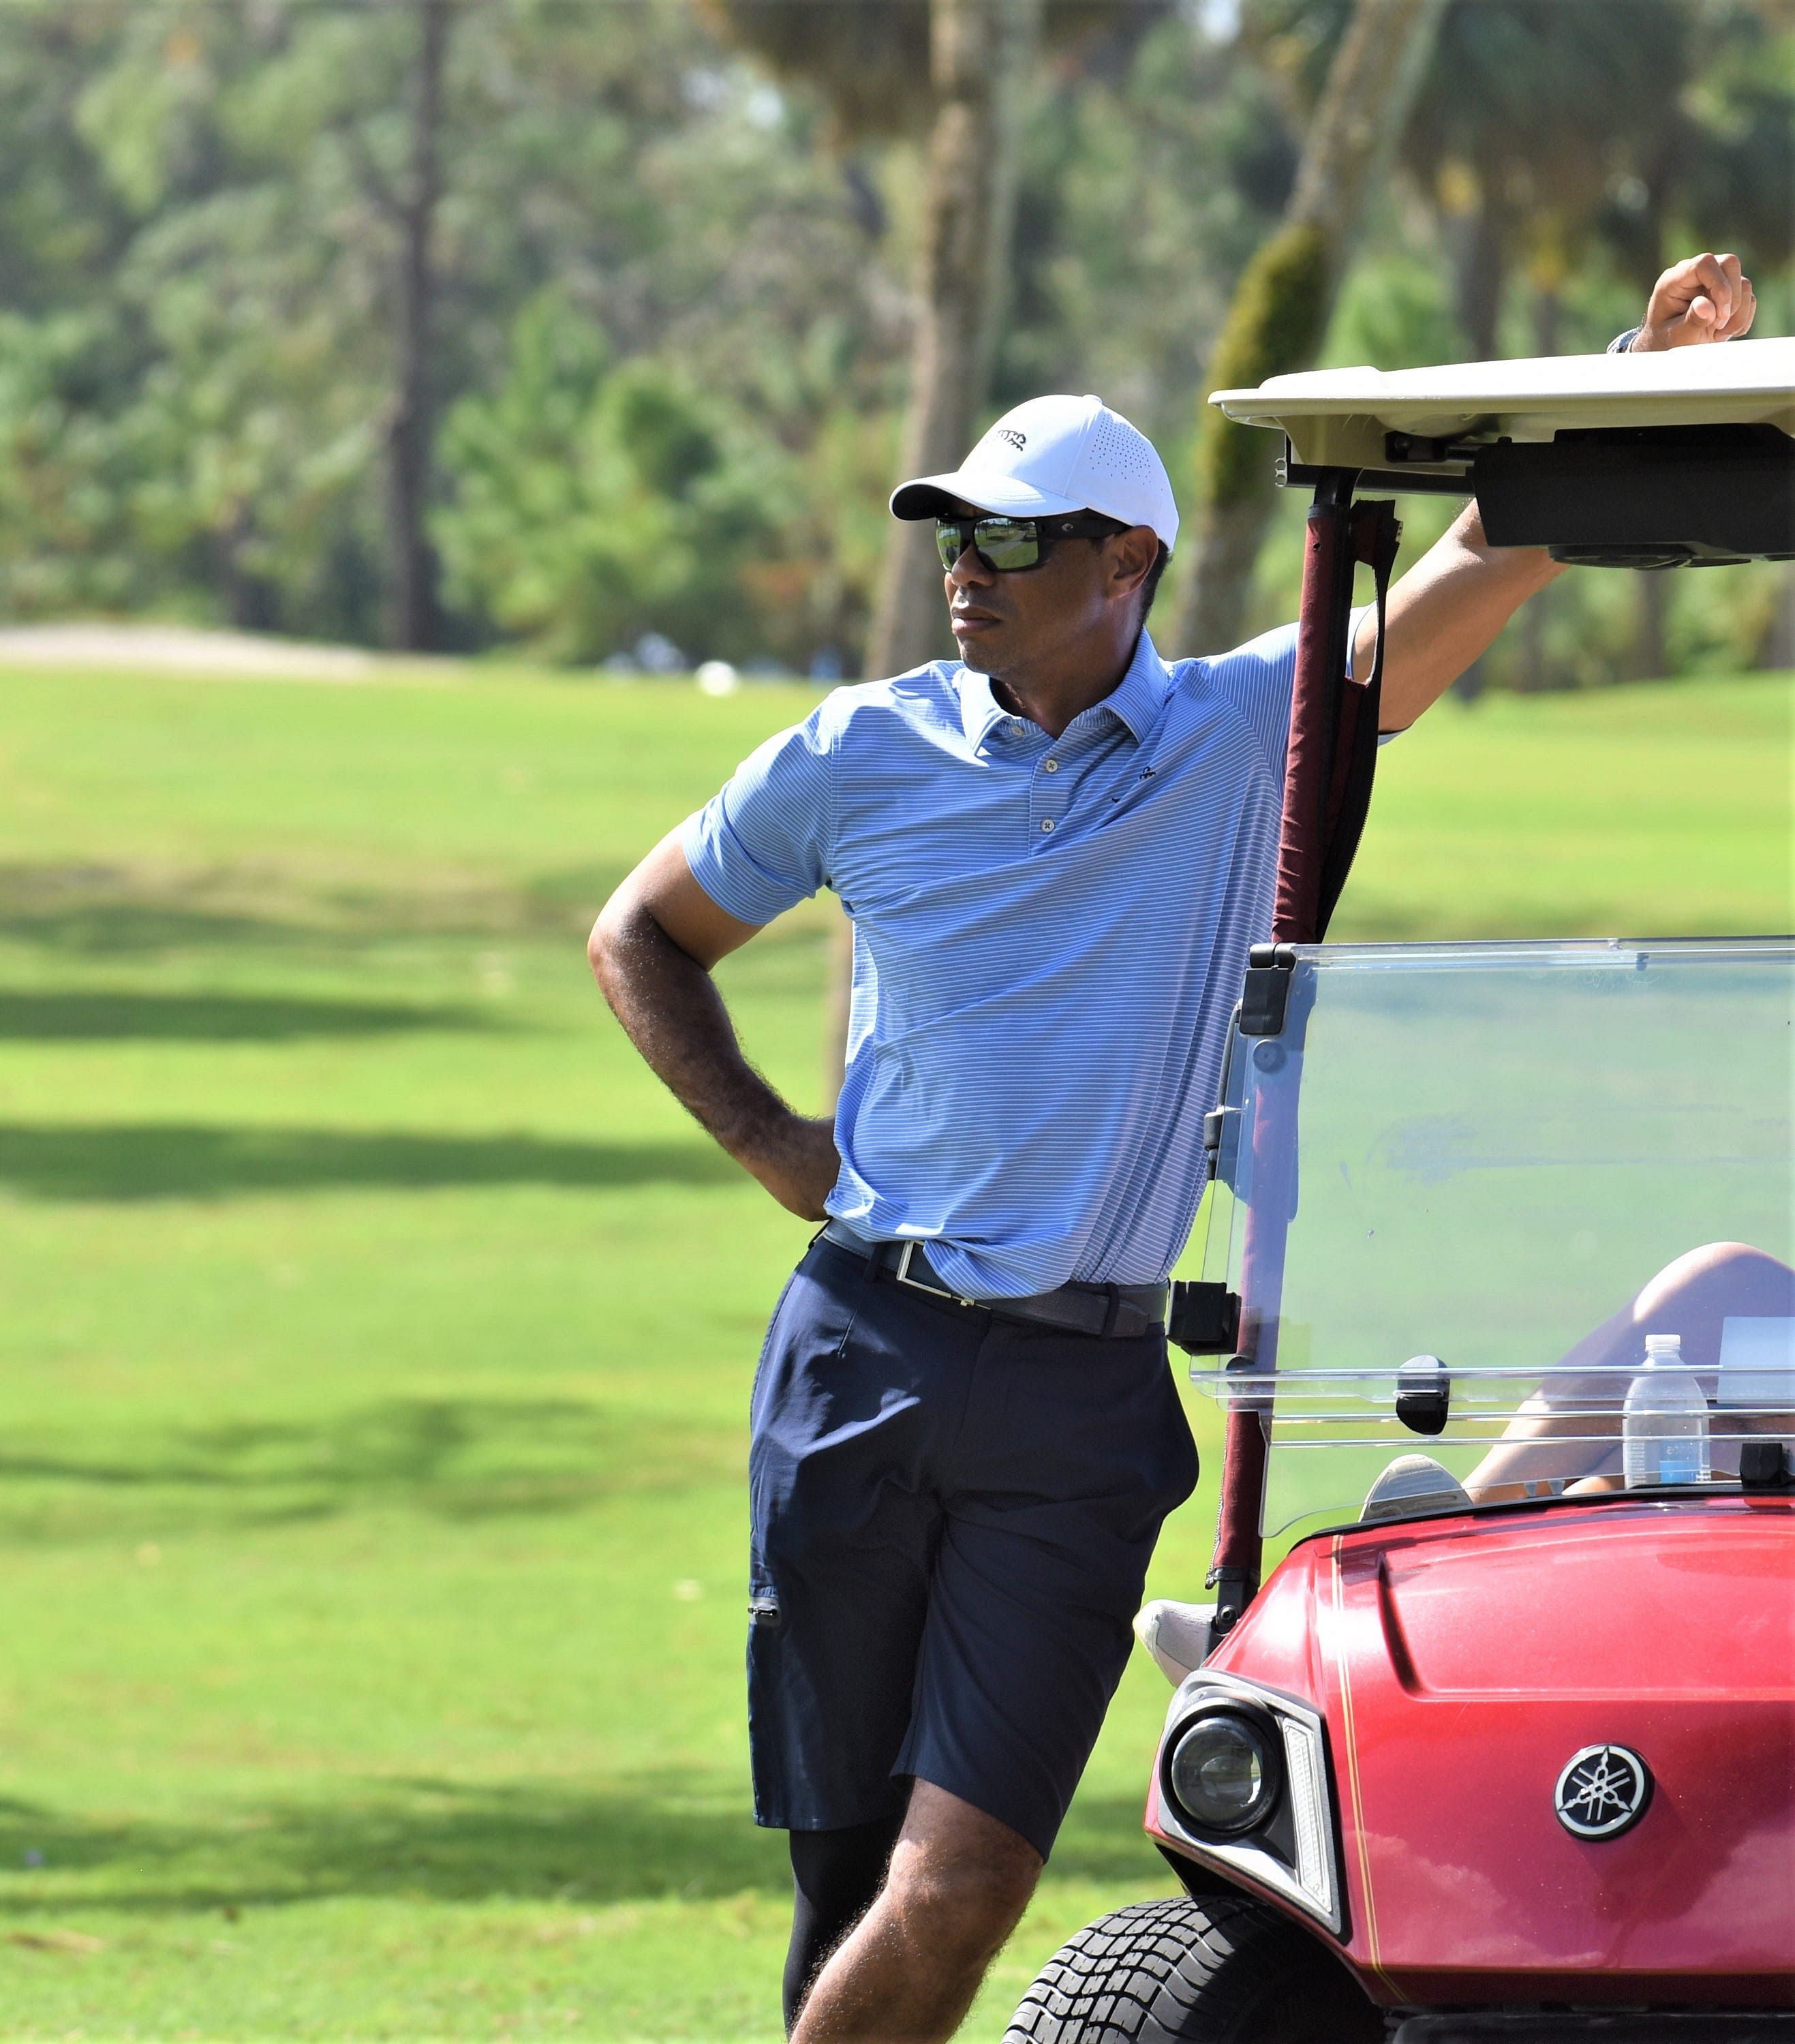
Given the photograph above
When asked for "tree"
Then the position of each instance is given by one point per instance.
(281, 171)
(981, 52)
(959, 70)
(595, 501)
(1533, 116)
(979, 56)
(414, 615)
(1280, 307)
(1545, 134)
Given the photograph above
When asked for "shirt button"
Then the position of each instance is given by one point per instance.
(1052, 766)
(1046, 823)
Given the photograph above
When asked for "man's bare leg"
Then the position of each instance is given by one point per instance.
(1690, 1297)
(959, 1883)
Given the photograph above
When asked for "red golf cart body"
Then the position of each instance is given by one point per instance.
(1480, 1152)
(1457, 1664)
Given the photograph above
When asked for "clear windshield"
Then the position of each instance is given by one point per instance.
(1522, 1159)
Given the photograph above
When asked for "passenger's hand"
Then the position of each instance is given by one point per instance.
(1708, 298)
(796, 1161)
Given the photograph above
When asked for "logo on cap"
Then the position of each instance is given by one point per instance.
(1017, 440)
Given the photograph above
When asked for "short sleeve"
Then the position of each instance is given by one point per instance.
(1257, 679)
(761, 843)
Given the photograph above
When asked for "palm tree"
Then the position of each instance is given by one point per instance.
(1529, 108)
(953, 71)
(959, 68)
(415, 614)
(1280, 307)
(981, 54)
(1544, 129)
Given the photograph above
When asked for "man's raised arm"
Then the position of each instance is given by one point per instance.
(1449, 607)
(652, 950)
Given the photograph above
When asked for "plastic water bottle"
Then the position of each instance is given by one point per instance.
(1664, 1423)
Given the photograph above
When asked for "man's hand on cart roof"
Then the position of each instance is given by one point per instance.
(1447, 609)
(1708, 298)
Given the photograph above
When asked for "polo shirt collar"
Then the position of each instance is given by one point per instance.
(1138, 698)
(980, 711)
(1135, 701)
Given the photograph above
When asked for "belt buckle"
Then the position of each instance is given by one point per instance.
(902, 1275)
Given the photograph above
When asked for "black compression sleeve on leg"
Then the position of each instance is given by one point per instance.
(835, 1876)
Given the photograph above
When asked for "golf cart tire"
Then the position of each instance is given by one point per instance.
(1181, 1972)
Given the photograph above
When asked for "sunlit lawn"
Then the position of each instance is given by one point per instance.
(377, 1336)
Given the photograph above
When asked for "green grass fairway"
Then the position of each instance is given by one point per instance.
(377, 1336)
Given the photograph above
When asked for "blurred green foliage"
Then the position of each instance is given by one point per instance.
(1274, 332)
(670, 300)
(597, 499)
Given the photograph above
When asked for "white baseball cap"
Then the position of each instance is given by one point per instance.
(1055, 454)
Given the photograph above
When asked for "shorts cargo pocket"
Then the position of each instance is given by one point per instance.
(770, 1731)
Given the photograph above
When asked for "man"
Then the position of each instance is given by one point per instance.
(1055, 854)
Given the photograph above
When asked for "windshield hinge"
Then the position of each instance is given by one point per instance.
(1270, 969)
(1205, 1319)
(1765, 1465)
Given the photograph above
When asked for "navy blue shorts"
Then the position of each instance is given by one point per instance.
(952, 1519)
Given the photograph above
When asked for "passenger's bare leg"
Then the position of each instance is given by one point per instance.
(958, 1882)
(1690, 1298)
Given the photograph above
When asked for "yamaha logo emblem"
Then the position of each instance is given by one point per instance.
(1602, 1791)
(1017, 440)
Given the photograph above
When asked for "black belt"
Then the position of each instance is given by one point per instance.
(1127, 1310)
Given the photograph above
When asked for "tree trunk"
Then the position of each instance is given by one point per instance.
(1282, 305)
(413, 618)
(1776, 647)
(1481, 268)
(1479, 273)
(1651, 635)
(981, 52)
(248, 597)
(1547, 306)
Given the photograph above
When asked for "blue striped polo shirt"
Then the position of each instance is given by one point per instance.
(1049, 937)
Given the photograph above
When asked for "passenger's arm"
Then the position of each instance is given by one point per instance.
(652, 950)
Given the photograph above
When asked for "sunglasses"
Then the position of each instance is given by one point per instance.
(1007, 546)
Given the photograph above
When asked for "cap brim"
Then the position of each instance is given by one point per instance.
(931, 496)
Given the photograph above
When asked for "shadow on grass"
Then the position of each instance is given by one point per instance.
(659, 1838)
(48, 907)
(152, 1161)
(443, 1841)
(458, 1459)
(71, 1017)
(118, 911)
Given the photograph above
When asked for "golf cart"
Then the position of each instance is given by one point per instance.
(1505, 1747)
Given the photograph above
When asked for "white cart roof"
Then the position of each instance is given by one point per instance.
(1338, 417)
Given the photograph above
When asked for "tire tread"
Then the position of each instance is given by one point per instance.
(1174, 1972)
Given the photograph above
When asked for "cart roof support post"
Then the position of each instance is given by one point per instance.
(1327, 790)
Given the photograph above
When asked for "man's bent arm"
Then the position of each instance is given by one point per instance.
(652, 950)
(1445, 612)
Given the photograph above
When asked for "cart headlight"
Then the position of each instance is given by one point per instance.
(1244, 1786)
(1223, 1771)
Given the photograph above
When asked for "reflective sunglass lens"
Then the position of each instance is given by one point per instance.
(1002, 544)
(1007, 543)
